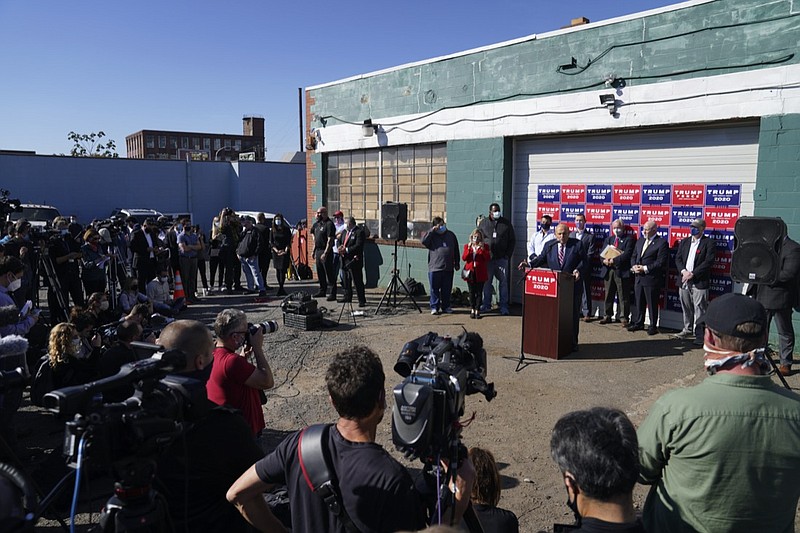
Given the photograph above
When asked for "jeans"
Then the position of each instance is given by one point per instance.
(694, 303)
(441, 283)
(497, 268)
(252, 273)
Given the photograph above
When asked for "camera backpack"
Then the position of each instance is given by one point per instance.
(315, 463)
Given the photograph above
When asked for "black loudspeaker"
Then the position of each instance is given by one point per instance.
(757, 245)
(394, 218)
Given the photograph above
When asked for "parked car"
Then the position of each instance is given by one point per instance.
(140, 214)
(40, 216)
(254, 214)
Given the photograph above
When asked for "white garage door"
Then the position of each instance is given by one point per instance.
(707, 156)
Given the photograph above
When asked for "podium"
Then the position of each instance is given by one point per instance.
(547, 314)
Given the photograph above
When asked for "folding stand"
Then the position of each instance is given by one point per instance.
(350, 305)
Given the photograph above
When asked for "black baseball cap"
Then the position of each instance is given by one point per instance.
(730, 310)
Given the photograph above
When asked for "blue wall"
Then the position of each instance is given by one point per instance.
(91, 187)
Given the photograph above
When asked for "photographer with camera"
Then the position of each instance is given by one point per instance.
(375, 492)
(234, 381)
(65, 252)
(11, 271)
(216, 447)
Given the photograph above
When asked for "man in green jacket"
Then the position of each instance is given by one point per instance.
(723, 455)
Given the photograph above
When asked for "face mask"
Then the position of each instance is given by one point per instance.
(573, 505)
(619, 232)
(179, 227)
(475, 239)
(580, 225)
(278, 222)
(546, 227)
(14, 285)
(496, 215)
(104, 306)
(77, 345)
(442, 229)
(694, 231)
(163, 279)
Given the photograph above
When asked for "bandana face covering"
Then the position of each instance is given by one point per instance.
(716, 359)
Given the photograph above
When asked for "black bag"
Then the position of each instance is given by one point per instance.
(304, 271)
(414, 287)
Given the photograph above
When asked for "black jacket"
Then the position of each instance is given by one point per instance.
(655, 258)
(783, 293)
(622, 263)
(499, 235)
(248, 244)
(704, 258)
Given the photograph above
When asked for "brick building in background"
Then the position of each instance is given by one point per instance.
(178, 145)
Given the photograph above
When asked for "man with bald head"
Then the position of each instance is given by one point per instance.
(565, 255)
(216, 446)
(650, 261)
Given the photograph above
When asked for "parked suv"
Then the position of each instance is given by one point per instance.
(40, 216)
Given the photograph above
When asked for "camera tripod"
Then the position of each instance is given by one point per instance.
(390, 295)
(55, 285)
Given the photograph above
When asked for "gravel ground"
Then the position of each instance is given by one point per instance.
(613, 367)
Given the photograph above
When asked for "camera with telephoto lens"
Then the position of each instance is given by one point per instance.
(439, 372)
(270, 326)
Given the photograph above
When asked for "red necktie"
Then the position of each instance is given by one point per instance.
(616, 242)
(561, 255)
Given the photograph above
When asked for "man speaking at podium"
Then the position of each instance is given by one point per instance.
(564, 255)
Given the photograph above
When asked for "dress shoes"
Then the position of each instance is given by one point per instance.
(331, 297)
(624, 323)
(785, 370)
(634, 327)
(605, 320)
(652, 331)
(320, 294)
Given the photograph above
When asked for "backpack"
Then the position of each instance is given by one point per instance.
(42, 381)
(304, 271)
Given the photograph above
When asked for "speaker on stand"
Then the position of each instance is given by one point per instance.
(756, 258)
(756, 249)
(394, 220)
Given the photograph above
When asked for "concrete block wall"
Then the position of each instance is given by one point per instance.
(777, 192)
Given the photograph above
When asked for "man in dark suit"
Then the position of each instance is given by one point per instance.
(566, 255)
(145, 245)
(693, 259)
(584, 285)
(650, 260)
(616, 274)
(779, 299)
(351, 252)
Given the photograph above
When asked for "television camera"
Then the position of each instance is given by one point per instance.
(439, 373)
(127, 437)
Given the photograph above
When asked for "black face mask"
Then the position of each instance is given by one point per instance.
(546, 227)
(573, 505)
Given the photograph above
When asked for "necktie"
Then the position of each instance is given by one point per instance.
(646, 244)
(561, 255)
(616, 242)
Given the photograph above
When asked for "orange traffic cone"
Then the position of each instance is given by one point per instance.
(178, 293)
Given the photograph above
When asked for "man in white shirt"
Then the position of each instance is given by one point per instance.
(541, 237)
(696, 253)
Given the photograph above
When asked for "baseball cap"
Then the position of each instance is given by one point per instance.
(730, 310)
(338, 214)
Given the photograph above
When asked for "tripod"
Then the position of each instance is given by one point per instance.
(390, 295)
(55, 286)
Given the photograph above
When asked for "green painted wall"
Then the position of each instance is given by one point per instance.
(777, 191)
(705, 40)
(478, 173)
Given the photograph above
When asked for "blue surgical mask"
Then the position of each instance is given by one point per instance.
(496, 215)
(442, 228)
(179, 227)
(694, 231)
(278, 222)
(580, 225)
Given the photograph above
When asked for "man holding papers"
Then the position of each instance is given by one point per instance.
(616, 273)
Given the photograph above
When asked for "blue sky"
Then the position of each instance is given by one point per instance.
(121, 67)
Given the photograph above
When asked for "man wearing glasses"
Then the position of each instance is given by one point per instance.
(234, 380)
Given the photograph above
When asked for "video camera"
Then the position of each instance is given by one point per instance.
(8, 205)
(139, 427)
(439, 372)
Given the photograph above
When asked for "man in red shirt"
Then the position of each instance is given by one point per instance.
(234, 380)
